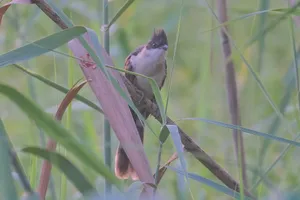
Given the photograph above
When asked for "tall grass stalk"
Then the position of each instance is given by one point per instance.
(232, 92)
(107, 138)
(264, 5)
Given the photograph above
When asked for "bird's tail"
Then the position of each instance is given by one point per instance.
(123, 167)
(122, 164)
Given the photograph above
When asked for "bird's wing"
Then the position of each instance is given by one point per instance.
(128, 66)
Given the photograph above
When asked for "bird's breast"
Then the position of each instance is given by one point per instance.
(151, 64)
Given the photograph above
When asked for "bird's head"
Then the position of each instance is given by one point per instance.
(158, 40)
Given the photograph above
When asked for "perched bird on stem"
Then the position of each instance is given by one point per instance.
(148, 60)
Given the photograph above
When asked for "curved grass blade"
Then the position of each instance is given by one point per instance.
(210, 183)
(41, 46)
(293, 79)
(158, 100)
(174, 55)
(282, 154)
(246, 130)
(71, 171)
(179, 148)
(178, 145)
(58, 87)
(58, 133)
(273, 128)
(261, 12)
(272, 25)
(7, 186)
(119, 13)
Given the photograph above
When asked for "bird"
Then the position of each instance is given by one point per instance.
(149, 60)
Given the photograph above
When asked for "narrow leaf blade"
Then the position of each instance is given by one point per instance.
(7, 186)
(210, 183)
(120, 12)
(41, 46)
(158, 99)
(72, 172)
(177, 143)
(246, 130)
(58, 87)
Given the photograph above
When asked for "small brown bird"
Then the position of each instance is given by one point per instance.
(149, 60)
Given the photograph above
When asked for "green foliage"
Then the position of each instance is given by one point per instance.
(57, 132)
(264, 40)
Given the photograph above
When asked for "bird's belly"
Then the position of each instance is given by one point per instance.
(144, 85)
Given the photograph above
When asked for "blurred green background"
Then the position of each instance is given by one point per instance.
(197, 91)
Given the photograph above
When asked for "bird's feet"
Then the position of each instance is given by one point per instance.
(142, 96)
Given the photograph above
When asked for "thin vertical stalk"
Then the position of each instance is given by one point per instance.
(107, 138)
(232, 92)
(264, 5)
(295, 56)
(174, 55)
(211, 53)
(156, 178)
(15, 161)
(20, 171)
(7, 185)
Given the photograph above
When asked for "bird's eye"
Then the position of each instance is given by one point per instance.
(154, 45)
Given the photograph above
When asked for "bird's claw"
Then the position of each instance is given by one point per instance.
(142, 97)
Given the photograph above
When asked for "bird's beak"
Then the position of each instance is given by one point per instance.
(165, 47)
